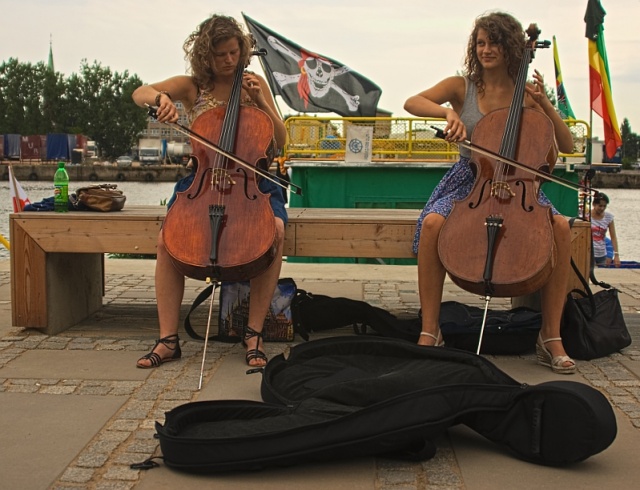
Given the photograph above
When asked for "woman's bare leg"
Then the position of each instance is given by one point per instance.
(262, 288)
(169, 283)
(431, 275)
(554, 292)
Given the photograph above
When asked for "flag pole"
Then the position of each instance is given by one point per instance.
(590, 138)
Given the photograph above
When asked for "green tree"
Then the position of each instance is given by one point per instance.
(74, 111)
(96, 102)
(12, 89)
(111, 117)
(630, 143)
(52, 102)
(29, 97)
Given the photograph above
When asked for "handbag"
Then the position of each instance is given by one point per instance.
(99, 197)
(592, 324)
(234, 312)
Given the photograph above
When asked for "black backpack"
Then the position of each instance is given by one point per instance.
(506, 331)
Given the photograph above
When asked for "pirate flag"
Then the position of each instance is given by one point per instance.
(309, 82)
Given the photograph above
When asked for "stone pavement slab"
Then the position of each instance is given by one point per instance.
(74, 364)
(357, 474)
(78, 396)
(43, 433)
(484, 466)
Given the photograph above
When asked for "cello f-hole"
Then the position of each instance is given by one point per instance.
(246, 185)
(201, 182)
(473, 205)
(527, 208)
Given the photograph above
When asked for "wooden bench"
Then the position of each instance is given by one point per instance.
(57, 261)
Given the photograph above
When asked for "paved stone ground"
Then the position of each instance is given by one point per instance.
(126, 323)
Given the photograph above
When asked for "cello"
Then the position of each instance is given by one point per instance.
(499, 241)
(222, 227)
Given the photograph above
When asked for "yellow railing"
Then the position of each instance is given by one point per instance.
(394, 138)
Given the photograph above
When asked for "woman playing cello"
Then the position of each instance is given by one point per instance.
(494, 52)
(214, 50)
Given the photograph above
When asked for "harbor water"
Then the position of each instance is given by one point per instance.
(138, 193)
(623, 205)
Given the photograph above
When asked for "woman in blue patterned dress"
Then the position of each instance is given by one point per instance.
(494, 54)
(214, 50)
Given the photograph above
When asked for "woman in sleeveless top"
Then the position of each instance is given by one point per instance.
(214, 50)
(494, 52)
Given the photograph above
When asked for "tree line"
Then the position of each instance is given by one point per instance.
(630, 144)
(95, 102)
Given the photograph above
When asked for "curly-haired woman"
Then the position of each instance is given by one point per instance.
(214, 50)
(494, 53)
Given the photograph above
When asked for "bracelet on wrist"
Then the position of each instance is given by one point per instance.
(616, 253)
(159, 94)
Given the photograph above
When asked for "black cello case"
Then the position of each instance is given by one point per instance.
(344, 397)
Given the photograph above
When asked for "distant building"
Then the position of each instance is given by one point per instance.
(164, 132)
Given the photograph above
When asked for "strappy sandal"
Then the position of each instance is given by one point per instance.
(557, 364)
(439, 341)
(155, 359)
(253, 354)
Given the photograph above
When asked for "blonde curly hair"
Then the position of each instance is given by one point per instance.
(504, 30)
(199, 47)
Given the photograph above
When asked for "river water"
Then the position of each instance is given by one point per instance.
(624, 206)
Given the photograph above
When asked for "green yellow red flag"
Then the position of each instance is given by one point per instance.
(600, 81)
(563, 101)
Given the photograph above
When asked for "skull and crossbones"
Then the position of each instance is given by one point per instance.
(316, 75)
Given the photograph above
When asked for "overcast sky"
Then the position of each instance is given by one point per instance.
(403, 46)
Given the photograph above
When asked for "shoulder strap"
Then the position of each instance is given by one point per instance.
(204, 294)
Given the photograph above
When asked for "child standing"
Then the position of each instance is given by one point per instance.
(601, 223)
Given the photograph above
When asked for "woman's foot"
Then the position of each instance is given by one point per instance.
(559, 362)
(166, 349)
(431, 339)
(252, 340)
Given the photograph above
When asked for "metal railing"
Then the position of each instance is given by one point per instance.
(394, 138)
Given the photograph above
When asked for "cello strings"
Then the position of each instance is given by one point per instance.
(512, 130)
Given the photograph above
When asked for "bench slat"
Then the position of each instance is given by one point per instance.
(312, 232)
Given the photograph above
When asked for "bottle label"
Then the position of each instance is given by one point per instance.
(61, 193)
(60, 197)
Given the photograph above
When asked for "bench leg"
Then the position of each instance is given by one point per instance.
(52, 291)
(74, 289)
(59, 291)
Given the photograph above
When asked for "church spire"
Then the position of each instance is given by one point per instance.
(50, 65)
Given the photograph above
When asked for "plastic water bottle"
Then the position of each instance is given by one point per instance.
(61, 190)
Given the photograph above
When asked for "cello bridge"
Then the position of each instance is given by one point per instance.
(221, 176)
(501, 190)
